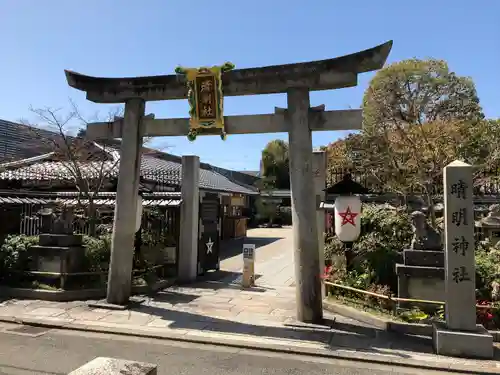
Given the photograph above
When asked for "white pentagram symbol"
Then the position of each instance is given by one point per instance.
(209, 245)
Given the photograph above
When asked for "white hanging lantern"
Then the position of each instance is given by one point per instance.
(347, 218)
(138, 215)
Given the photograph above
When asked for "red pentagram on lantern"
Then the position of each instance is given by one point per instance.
(348, 217)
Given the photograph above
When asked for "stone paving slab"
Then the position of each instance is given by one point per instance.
(211, 306)
(273, 256)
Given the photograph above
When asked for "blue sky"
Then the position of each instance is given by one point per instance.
(39, 39)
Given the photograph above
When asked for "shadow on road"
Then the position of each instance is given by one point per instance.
(225, 284)
(9, 370)
(333, 335)
(221, 276)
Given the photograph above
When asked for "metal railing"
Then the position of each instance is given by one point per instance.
(395, 299)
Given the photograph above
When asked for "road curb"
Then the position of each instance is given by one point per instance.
(385, 324)
(78, 295)
(154, 333)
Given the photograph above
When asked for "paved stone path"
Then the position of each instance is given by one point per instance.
(209, 307)
(273, 256)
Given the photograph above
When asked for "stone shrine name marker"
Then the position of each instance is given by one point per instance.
(460, 336)
(460, 284)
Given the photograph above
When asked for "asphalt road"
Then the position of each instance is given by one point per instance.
(60, 352)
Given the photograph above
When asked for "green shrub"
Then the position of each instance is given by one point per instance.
(339, 275)
(97, 252)
(487, 271)
(384, 234)
(13, 253)
(383, 290)
(154, 239)
(333, 248)
(358, 280)
(414, 315)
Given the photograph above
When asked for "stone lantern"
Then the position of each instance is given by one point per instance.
(490, 225)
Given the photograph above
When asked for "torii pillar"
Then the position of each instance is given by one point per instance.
(298, 120)
(127, 193)
(305, 229)
(319, 170)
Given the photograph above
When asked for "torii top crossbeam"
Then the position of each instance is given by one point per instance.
(327, 74)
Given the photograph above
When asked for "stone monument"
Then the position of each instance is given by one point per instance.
(460, 335)
(490, 224)
(424, 236)
(59, 250)
(421, 276)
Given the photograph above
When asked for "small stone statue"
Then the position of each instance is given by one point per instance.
(415, 203)
(495, 291)
(63, 222)
(46, 219)
(493, 218)
(424, 236)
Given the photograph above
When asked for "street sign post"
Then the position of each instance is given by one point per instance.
(248, 278)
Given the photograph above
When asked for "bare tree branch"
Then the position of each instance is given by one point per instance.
(87, 164)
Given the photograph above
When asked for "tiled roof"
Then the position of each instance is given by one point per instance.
(251, 173)
(236, 176)
(156, 169)
(170, 199)
(215, 181)
(101, 194)
(55, 170)
(276, 193)
(152, 169)
(167, 168)
(18, 141)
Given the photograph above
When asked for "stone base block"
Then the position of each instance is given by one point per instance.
(114, 366)
(425, 283)
(478, 344)
(57, 259)
(60, 240)
(425, 258)
(420, 271)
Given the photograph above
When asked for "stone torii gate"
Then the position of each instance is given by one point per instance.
(298, 119)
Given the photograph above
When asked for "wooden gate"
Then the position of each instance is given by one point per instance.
(209, 242)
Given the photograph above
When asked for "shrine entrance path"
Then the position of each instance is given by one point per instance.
(273, 257)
